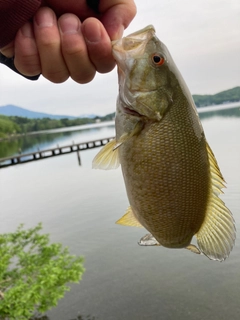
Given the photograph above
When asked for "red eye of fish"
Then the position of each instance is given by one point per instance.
(157, 59)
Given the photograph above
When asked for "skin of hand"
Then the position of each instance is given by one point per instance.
(68, 39)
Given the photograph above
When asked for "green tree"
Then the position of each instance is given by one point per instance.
(7, 127)
(33, 273)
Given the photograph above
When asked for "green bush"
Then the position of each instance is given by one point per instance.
(33, 273)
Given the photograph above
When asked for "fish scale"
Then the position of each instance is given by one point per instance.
(171, 176)
(174, 210)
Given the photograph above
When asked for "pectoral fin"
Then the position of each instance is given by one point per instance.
(107, 158)
(125, 136)
(129, 219)
(217, 234)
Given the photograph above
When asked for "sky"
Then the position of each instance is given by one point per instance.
(203, 37)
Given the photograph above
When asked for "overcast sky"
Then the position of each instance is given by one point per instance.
(203, 37)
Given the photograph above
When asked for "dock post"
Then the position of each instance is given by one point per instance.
(79, 158)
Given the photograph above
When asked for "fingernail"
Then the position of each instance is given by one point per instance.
(69, 24)
(92, 32)
(119, 32)
(27, 30)
(45, 19)
(115, 31)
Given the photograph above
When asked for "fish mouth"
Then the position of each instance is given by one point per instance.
(135, 42)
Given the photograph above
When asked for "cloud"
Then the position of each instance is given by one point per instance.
(202, 36)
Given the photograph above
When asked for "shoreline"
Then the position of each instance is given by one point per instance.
(217, 107)
(63, 129)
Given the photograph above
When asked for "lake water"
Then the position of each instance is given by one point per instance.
(78, 206)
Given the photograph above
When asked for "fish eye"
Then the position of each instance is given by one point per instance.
(157, 59)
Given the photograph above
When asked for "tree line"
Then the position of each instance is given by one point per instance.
(231, 95)
(13, 125)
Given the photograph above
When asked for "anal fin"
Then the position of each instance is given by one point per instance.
(128, 219)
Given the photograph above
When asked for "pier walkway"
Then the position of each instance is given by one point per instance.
(48, 153)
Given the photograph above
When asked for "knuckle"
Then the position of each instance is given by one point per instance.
(71, 51)
(28, 65)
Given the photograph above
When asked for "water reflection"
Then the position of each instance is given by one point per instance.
(79, 317)
(30, 143)
(235, 112)
(36, 142)
(84, 318)
(78, 207)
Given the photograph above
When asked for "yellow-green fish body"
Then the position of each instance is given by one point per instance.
(171, 175)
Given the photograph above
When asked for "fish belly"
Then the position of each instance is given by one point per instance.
(166, 173)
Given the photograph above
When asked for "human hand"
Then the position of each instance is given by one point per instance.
(77, 44)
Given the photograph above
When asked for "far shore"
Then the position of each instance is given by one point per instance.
(63, 129)
(224, 106)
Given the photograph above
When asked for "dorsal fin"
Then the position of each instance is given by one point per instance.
(217, 234)
(128, 219)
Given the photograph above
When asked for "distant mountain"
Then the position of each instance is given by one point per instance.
(10, 110)
(231, 95)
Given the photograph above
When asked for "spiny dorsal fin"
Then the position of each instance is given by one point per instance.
(107, 158)
(129, 219)
(217, 234)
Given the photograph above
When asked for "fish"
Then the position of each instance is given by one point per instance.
(172, 178)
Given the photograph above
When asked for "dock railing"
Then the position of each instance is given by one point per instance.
(48, 153)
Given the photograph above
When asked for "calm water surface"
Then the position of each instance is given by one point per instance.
(78, 206)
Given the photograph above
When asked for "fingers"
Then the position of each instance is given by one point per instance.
(49, 46)
(63, 48)
(98, 45)
(27, 60)
(38, 48)
(74, 49)
(55, 49)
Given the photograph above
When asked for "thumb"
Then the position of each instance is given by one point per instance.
(117, 17)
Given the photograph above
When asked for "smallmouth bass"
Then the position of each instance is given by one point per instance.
(171, 175)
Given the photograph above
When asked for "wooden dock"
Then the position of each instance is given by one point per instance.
(49, 153)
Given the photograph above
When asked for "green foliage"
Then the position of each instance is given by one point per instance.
(8, 127)
(25, 125)
(231, 95)
(33, 273)
(30, 125)
(108, 117)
